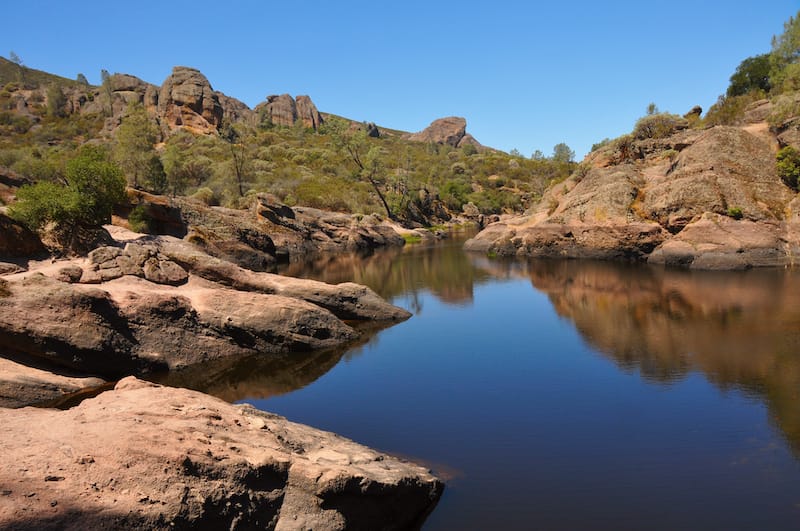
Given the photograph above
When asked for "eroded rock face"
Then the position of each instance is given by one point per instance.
(186, 99)
(150, 457)
(706, 199)
(285, 111)
(451, 131)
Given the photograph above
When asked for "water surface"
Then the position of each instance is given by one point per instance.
(565, 394)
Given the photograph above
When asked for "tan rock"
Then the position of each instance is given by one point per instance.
(149, 457)
(21, 385)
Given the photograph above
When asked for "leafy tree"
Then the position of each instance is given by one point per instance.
(652, 109)
(563, 153)
(785, 52)
(134, 150)
(367, 160)
(94, 184)
(751, 74)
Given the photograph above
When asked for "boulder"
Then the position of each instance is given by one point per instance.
(7, 268)
(279, 110)
(449, 131)
(70, 274)
(149, 457)
(187, 100)
(22, 385)
(164, 272)
(16, 240)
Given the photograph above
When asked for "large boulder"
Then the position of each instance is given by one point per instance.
(187, 100)
(307, 112)
(22, 385)
(150, 457)
(450, 131)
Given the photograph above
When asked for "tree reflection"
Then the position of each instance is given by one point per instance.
(741, 329)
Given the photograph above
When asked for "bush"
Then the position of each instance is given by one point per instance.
(206, 195)
(139, 220)
(735, 213)
(788, 163)
(729, 110)
(659, 125)
(94, 186)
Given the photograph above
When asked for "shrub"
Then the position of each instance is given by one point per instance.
(788, 164)
(94, 186)
(783, 108)
(206, 195)
(659, 125)
(729, 110)
(139, 220)
(735, 213)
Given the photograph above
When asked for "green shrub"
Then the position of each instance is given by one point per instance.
(735, 213)
(788, 163)
(659, 125)
(94, 186)
(729, 110)
(206, 195)
(139, 220)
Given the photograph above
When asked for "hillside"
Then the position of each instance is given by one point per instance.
(186, 138)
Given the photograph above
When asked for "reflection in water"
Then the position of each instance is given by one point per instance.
(741, 329)
(264, 376)
(443, 269)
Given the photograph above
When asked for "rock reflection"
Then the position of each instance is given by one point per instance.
(259, 377)
(443, 269)
(741, 329)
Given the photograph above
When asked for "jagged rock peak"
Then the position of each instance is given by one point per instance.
(286, 111)
(451, 131)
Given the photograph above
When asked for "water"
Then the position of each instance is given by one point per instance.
(564, 394)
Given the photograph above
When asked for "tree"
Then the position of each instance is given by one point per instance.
(652, 109)
(55, 100)
(80, 78)
(238, 137)
(563, 153)
(368, 161)
(94, 184)
(14, 58)
(134, 150)
(751, 74)
(785, 54)
(108, 91)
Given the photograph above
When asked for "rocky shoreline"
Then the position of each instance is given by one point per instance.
(700, 199)
(143, 456)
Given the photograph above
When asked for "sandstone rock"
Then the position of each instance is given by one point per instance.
(164, 272)
(186, 99)
(79, 241)
(104, 254)
(129, 265)
(448, 131)
(719, 242)
(111, 273)
(71, 274)
(162, 214)
(269, 207)
(758, 111)
(21, 385)
(280, 110)
(138, 326)
(139, 253)
(7, 268)
(149, 457)
(307, 112)
(346, 301)
(16, 240)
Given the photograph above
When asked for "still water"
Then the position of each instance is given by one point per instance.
(564, 394)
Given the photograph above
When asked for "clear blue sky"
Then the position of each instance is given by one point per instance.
(525, 75)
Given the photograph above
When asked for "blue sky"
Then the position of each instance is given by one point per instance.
(525, 75)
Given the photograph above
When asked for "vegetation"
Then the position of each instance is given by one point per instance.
(788, 164)
(735, 213)
(92, 186)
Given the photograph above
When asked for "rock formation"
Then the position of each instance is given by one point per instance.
(705, 199)
(451, 131)
(187, 100)
(285, 111)
(150, 457)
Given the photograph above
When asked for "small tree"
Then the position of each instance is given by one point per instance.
(563, 153)
(55, 101)
(93, 186)
(80, 78)
(134, 150)
(14, 58)
(238, 138)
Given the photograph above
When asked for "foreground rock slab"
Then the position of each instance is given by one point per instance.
(21, 385)
(150, 457)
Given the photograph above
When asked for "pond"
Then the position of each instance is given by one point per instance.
(563, 394)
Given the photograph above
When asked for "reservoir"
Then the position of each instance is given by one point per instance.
(562, 394)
